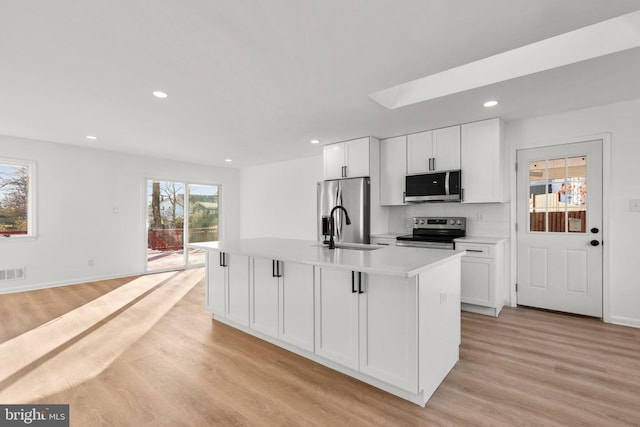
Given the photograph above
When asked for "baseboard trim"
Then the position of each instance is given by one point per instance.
(625, 321)
(37, 286)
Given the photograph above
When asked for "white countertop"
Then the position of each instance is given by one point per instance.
(385, 260)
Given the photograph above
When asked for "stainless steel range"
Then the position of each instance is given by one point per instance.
(434, 232)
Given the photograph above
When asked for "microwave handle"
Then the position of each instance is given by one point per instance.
(447, 177)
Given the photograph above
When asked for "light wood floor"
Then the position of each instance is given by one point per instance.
(526, 367)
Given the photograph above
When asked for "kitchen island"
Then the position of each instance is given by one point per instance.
(388, 316)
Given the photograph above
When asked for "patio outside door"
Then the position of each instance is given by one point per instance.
(179, 213)
(559, 216)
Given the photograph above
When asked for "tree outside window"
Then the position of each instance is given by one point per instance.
(14, 199)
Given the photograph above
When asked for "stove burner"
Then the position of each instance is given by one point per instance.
(437, 232)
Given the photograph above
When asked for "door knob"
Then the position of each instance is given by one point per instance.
(595, 230)
(595, 242)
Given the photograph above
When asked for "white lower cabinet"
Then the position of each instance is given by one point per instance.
(336, 306)
(368, 323)
(482, 279)
(264, 301)
(296, 305)
(215, 294)
(227, 292)
(237, 288)
(281, 301)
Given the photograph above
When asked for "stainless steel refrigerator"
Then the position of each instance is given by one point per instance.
(353, 195)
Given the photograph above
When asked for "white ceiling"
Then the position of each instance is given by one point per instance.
(255, 81)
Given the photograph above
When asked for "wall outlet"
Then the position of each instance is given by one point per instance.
(634, 205)
(90, 263)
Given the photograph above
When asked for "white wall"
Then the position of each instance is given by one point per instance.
(280, 199)
(77, 191)
(622, 239)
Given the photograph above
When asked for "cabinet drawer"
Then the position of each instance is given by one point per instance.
(477, 250)
(383, 241)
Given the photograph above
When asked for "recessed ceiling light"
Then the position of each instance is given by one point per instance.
(159, 94)
(491, 103)
(92, 137)
(227, 160)
(315, 141)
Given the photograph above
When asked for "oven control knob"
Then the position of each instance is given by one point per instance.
(452, 222)
(415, 220)
(422, 221)
(459, 222)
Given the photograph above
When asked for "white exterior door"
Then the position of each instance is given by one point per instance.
(559, 211)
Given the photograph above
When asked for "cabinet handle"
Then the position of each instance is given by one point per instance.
(273, 268)
(382, 244)
(434, 163)
(404, 197)
(474, 250)
(360, 291)
(221, 263)
(278, 273)
(223, 259)
(353, 282)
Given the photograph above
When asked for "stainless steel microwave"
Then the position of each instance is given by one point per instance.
(434, 187)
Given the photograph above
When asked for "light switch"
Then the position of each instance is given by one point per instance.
(634, 205)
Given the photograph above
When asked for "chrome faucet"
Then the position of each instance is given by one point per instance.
(332, 243)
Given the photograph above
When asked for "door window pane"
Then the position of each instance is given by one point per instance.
(557, 195)
(203, 218)
(577, 194)
(557, 206)
(538, 194)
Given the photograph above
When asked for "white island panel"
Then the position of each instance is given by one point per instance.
(389, 317)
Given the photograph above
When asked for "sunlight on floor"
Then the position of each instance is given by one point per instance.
(64, 352)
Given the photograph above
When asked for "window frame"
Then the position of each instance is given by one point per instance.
(31, 196)
(187, 183)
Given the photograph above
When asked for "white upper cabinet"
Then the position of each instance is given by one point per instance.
(334, 160)
(483, 166)
(419, 152)
(446, 148)
(393, 169)
(431, 151)
(347, 159)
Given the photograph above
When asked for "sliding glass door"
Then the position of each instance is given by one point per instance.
(179, 213)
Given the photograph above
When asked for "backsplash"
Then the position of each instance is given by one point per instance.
(490, 219)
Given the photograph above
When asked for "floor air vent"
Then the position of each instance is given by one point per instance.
(12, 273)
